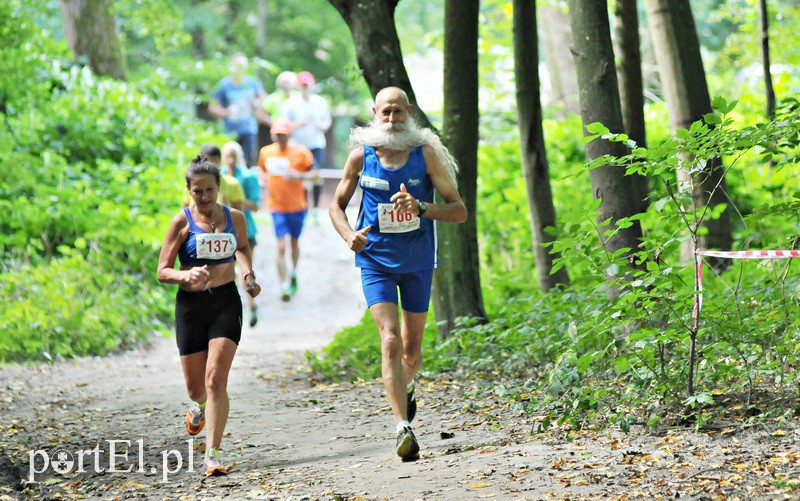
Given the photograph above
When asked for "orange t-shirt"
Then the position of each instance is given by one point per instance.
(285, 195)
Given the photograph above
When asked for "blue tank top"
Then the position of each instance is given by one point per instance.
(400, 246)
(187, 254)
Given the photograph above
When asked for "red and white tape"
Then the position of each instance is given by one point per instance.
(758, 254)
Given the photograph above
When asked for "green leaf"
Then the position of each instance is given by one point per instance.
(719, 103)
(597, 128)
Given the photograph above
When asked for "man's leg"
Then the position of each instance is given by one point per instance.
(415, 294)
(295, 220)
(411, 332)
(282, 229)
(248, 143)
(394, 378)
(380, 290)
(316, 188)
(283, 279)
(295, 253)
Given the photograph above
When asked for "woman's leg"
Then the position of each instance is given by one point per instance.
(194, 372)
(220, 357)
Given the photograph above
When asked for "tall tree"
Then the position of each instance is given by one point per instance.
(683, 78)
(457, 286)
(556, 39)
(763, 15)
(380, 58)
(262, 13)
(763, 21)
(631, 90)
(91, 34)
(599, 97)
(229, 22)
(531, 133)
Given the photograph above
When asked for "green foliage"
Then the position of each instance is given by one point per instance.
(581, 357)
(76, 305)
(193, 53)
(90, 176)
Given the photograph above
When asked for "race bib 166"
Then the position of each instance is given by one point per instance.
(390, 221)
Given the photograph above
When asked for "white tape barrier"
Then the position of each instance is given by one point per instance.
(698, 266)
(330, 173)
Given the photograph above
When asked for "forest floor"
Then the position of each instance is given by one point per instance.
(291, 438)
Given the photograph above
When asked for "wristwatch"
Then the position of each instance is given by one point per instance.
(422, 208)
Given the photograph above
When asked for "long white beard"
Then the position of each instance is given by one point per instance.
(403, 137)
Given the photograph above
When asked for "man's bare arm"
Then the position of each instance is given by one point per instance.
(356, 240)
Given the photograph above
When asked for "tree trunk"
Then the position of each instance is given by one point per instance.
(764, 22)
(599, 98)
(229, 23)
(197, 33)
(631, 91)
(677, 51)
(556, 38)
(380, 58)
(763, 18)
(457, 284)
(91, 34)
(534, 156)
(261, 35)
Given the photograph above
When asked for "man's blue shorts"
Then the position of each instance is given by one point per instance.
(288, 223)
(381, 287)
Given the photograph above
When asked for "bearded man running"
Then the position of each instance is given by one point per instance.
(398, 166)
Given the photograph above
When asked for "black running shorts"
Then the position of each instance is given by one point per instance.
(204, 315)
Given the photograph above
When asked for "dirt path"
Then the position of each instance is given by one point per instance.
(289, 439)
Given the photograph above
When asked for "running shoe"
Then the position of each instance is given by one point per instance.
(253, 317)
(293, 284)
(213, 467)
(286, 293)
(411, 404)
(195, 419)
(407, 446)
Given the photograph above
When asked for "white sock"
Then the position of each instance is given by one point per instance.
(402, 425)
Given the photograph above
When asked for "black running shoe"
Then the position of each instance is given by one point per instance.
(407, 446)
(253, 316)
(411, 405)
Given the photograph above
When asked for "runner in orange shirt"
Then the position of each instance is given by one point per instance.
(287, 165)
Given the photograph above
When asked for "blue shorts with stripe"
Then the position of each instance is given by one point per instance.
(381, 287)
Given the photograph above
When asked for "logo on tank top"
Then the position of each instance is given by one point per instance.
(413, 182)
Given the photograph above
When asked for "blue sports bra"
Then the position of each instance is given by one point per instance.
(214, 248)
